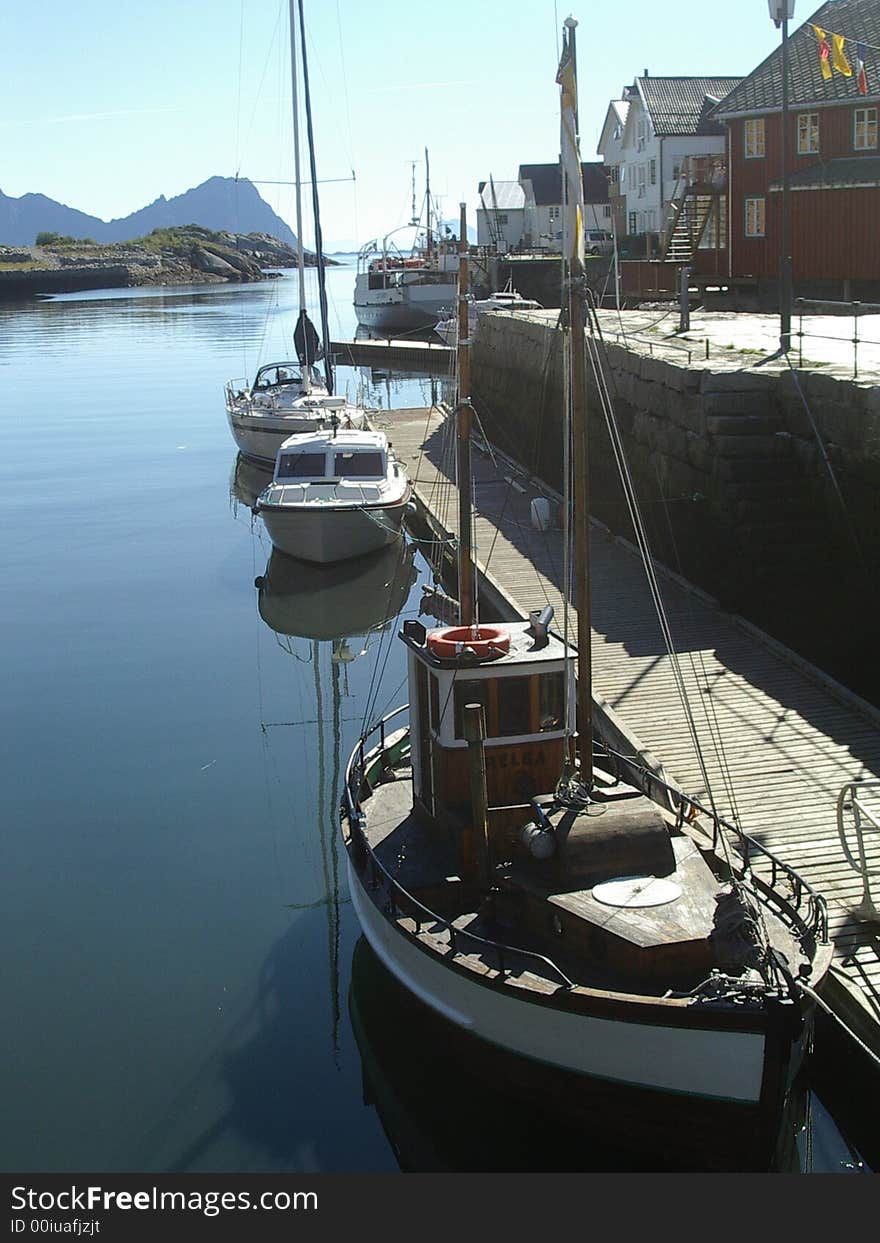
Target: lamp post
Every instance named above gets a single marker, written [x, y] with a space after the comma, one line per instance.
[780, 12]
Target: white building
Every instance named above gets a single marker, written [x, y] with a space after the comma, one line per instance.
[665, 120]
[501, 214]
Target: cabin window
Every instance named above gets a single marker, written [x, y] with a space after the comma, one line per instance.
[754, 139]
[513, 707]
[358, 465]
[551, 701]
[865, 129]
[808, 133]
[755, 217]
[470, 692]
[300, 466]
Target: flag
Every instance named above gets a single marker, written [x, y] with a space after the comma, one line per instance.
[860, 68]
[824, 52]
[841, 64]
[570, 159]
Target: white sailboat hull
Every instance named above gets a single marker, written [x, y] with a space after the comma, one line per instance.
[325, 534]
[707, 1063]
[260, 436]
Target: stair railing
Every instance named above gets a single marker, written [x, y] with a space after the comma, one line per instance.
[852, 800]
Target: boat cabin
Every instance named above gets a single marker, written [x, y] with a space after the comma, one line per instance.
[274, 375]
[324, 457]
[523, 675]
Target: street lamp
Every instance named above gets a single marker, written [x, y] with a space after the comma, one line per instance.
[780, 12]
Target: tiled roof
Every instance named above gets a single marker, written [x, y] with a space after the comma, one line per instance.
[547, 183]
[857, 20]
[509, 195]
[845, 172]
[675, 105]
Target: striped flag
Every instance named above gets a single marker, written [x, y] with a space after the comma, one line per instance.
[860, 68]
[570, 159]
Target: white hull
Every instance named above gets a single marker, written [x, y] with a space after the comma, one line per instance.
[260, 436]
[325, 534]
[705, 1063]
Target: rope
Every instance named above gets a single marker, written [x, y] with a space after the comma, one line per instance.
[824, 1006]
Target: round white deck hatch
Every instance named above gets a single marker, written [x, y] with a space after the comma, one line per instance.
[637, 891]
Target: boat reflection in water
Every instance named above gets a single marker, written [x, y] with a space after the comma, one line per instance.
[336, 602]
[446, 1101]
[247, 482]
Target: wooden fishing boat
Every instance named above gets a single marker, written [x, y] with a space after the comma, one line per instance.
[545, 894]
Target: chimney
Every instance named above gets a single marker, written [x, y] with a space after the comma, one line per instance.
[647, 75]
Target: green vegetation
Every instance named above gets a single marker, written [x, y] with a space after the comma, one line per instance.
[179, 239]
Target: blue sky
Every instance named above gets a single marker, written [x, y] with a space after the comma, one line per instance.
[105, 105]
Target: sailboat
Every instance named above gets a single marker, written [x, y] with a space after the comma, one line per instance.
[538, 891]
[286, 398]
[337, 492]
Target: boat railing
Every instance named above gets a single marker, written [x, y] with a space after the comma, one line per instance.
[852, 801]
[805, 910]
[398, 901]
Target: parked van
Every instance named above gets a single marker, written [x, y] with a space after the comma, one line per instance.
[598, 242]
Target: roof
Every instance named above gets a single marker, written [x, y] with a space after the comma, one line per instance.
[857, 20]
[508, 196]
[547, 182]
[847, 172]
[676, 105]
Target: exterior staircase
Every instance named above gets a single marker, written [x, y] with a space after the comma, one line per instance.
[697, 195]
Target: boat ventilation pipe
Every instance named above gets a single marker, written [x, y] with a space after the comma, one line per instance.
[539, 624]
[538, 835]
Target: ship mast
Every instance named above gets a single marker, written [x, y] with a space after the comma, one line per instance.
[464, 419]
[300, 256]
[575, 307]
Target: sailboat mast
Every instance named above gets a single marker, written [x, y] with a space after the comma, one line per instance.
[464, 418]
[319, 241]
[576, 306]
[294, 91]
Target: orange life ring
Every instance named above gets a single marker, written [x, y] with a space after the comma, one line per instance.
[449, 642]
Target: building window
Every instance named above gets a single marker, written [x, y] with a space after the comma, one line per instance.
[808, 133]
[606, 211]
[652, 166]
[641, 133]
[553, 213]
[754, 147]
[865, 129]
[755, 217]
[613, 175]
[641, 182]
[500, 217]
[651, 220]
[632, 222]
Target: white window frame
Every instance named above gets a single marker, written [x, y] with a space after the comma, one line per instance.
[864, 128]
[754, 138]
[652, 172]
[755, 213]
[808, 133]
[641, 181]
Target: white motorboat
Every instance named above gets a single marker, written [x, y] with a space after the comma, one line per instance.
[335, 495]
[545, 893]
[506, 299]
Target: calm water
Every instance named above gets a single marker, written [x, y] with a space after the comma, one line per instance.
[175, 915]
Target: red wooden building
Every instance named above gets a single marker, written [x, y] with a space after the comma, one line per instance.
[833, 161]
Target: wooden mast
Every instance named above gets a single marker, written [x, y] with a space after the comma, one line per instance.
[464, 418]
[576, 303]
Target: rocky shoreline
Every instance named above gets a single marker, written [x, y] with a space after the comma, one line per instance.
[180, 256]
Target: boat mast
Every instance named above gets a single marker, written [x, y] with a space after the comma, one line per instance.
[300, 254]
[319, 241]
[575, 305]
[464, 418]
[428, 200]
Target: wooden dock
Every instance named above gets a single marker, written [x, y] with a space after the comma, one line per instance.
[425, 356]
[778, 738]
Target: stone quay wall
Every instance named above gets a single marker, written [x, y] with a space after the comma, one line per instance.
[761, 487]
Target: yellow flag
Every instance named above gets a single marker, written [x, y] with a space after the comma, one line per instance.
[824, 52]
[841, 64]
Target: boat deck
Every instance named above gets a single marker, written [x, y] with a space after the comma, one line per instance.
[779, 738]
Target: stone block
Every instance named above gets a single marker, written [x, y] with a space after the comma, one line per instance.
[747, 446]
[743, 402]
[740, 425]
[739, 381]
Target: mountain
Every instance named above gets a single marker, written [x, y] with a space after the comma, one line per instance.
[220, 203]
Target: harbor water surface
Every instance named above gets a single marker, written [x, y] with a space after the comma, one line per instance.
[183, 988]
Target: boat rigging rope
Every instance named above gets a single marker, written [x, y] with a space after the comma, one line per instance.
[811, 993]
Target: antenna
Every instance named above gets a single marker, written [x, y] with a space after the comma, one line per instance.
[414, 218]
